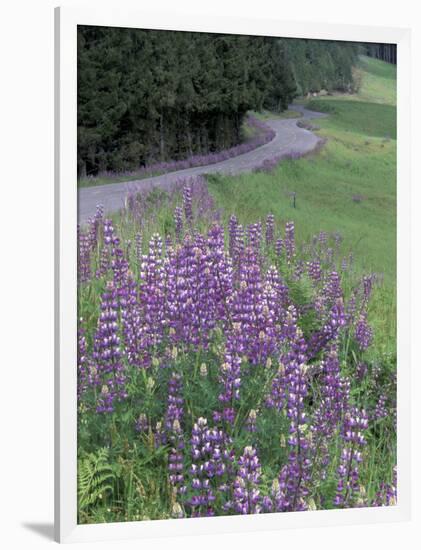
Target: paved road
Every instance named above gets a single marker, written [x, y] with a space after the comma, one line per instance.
[289, 139]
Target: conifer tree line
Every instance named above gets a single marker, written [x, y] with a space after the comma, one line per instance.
[385, 52]
[146, 96]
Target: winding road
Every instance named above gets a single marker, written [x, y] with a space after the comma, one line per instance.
[289, 139]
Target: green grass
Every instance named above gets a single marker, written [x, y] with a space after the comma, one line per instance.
[349, 186]
[267, 115]
[378, 81]
[358, 117]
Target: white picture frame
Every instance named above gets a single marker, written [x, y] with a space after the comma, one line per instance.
[66, 21]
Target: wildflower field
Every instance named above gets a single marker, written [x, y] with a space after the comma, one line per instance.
[237, 335]
[224, 369]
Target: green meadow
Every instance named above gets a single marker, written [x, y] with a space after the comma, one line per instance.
[349, 186]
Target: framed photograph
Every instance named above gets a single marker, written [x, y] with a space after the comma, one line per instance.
[232, 274]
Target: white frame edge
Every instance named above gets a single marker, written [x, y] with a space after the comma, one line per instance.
[66, 21]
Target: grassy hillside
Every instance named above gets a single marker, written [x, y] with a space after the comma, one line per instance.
[348, 187]
[378, 81]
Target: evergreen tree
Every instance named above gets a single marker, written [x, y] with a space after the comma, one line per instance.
[147, 96]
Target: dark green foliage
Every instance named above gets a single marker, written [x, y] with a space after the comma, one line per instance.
[321, 64]
[150, 96]
[385, 52]
[147, 96]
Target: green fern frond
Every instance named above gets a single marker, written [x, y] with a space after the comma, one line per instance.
[95, 478]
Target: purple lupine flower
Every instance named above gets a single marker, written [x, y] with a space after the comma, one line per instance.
[289, 391]
[277, 397]
[387, 495]
[82, 364]
[275, 294]
[351, 308]
[94, 226]
[107, 354]
[368, 282]
[270, 223]
[253, 321]
[160, 435]
[336, 319]
[294, 476]
[168, 245]
[254, 237]
[314, 271]
[337, 238]
[219, 274]
[178, 222]
[322, 238]
[191, 300]
[203, 200]
[232, 233]
[230, 378]
[175, 401]
[330, 331]
[363, 333]
[279, 246]
[333, 289]
[119, 266]
[334, 396]
[138, 248]
[246, 495]
[298, 270]
[110, 238]
[84, 257]
[289, 241]
[99, 214]
[380, 410]
[142, 425]
[251, 421]
[239, 247]
[211, 467]
[151, 296]
[176, 459]
[104, 262]
[132, 323]
[187, 204]
[348, 488]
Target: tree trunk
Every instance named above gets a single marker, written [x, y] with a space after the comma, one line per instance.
[161, 137]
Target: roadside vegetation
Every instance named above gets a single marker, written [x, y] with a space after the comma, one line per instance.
[348, 187]
[237, 335]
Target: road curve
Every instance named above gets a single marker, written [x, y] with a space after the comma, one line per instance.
[289, 139]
